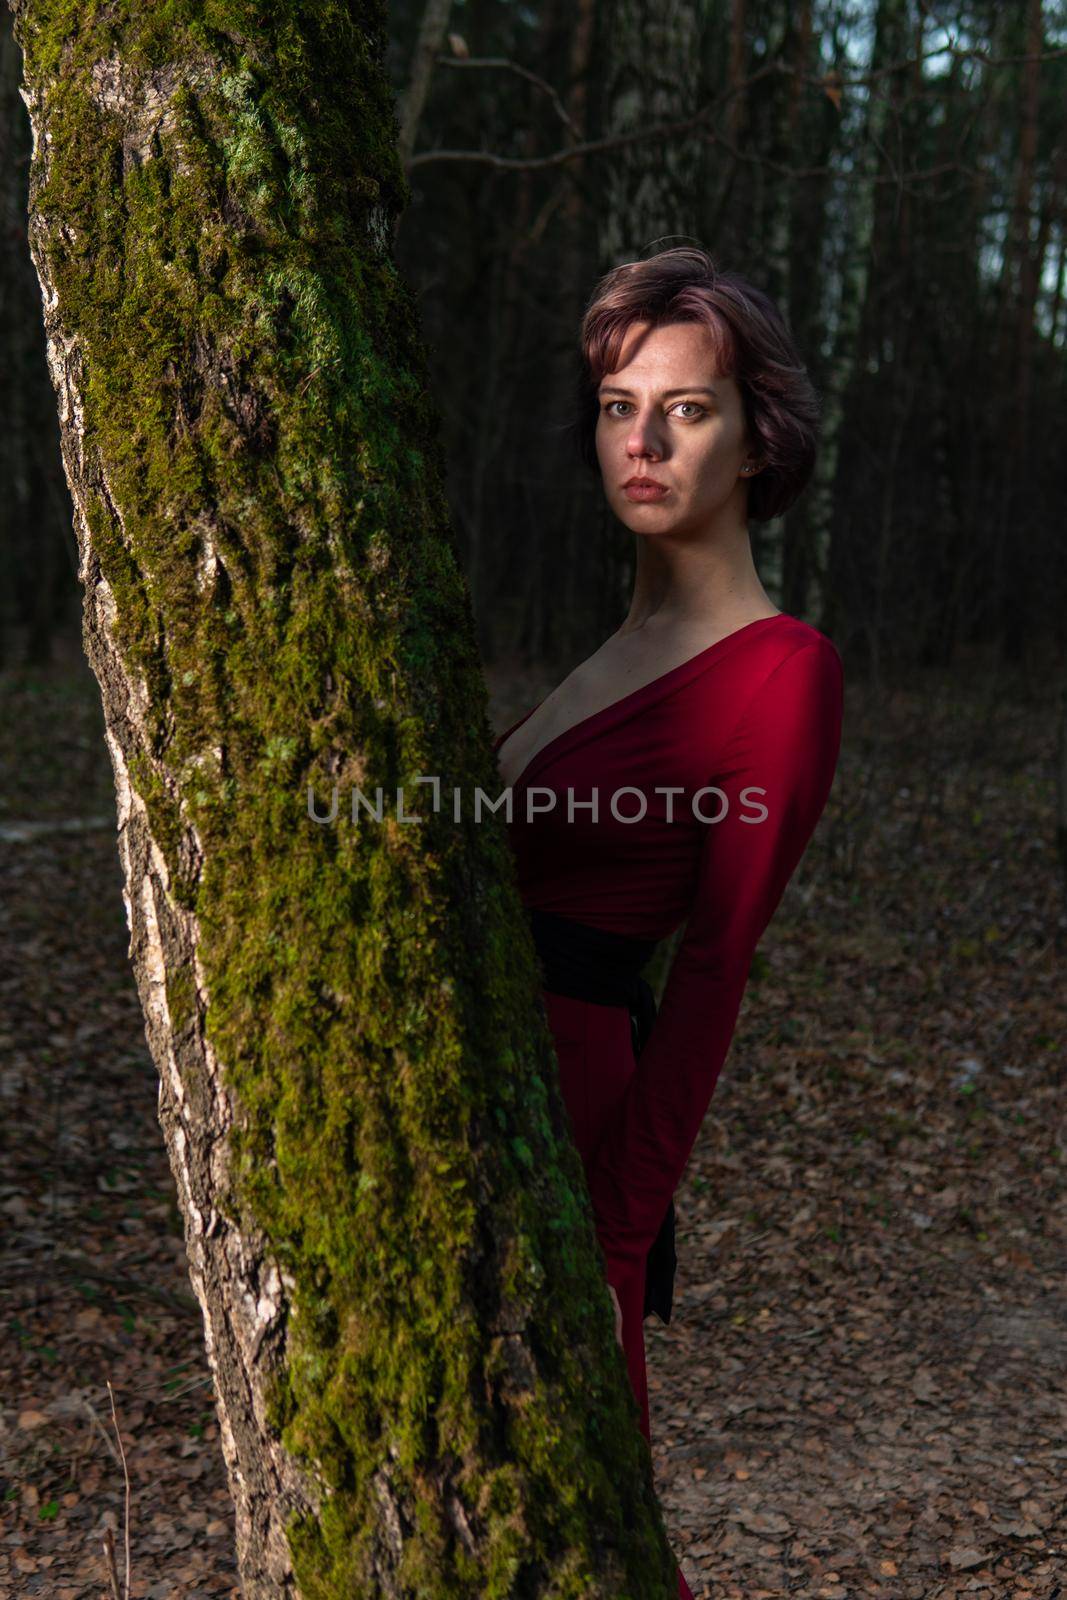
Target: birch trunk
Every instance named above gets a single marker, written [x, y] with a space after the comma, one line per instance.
[418, 1387]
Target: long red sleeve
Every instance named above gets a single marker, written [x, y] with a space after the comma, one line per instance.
[785, 743]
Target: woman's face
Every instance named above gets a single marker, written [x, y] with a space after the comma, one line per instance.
[666, 414]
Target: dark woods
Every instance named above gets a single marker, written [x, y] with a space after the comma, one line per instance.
[896, 182]
[897, 185]
[873, 1215]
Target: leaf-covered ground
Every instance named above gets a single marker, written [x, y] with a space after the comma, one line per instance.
[862, 1391]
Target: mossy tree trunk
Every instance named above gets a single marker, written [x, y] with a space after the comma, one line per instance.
[388, 1230]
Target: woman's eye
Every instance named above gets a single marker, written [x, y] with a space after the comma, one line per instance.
[694, 408]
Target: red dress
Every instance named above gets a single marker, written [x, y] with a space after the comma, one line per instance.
[753, 722]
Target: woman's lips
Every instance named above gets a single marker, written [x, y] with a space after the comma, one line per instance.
[645, 491]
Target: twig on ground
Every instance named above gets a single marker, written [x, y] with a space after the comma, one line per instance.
[109, 1561]
[95, 1420]
[126, 1479]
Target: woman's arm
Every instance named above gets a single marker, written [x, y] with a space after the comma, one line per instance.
[786, 743]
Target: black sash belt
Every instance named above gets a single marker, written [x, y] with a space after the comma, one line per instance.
[604, 968]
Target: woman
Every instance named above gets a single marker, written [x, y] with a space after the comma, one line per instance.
[677, 774]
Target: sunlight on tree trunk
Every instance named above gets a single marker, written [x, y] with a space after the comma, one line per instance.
[418, 1385]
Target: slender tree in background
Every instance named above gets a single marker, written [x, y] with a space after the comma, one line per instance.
[37, 553]
[431, 37]
[807, 581]
[583, 523]
[1019, 279]
[651, 65]
[418, 1388]
[651, 61]
[782, 264]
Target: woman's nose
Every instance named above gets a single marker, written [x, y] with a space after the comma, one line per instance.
[643, 438]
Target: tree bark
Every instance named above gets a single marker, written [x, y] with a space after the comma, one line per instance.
[418, 1386]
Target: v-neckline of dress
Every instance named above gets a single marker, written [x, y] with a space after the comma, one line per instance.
[628, 702]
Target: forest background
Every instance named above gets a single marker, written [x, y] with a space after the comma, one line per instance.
[893, 173]
[883, 1179]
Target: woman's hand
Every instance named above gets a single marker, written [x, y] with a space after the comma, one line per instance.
[618, 1313]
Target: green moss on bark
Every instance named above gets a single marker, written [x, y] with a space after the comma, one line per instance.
[266, 508]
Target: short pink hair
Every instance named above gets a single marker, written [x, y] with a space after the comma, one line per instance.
[752, 343]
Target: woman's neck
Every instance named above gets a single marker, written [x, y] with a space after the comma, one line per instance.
[714, 586]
